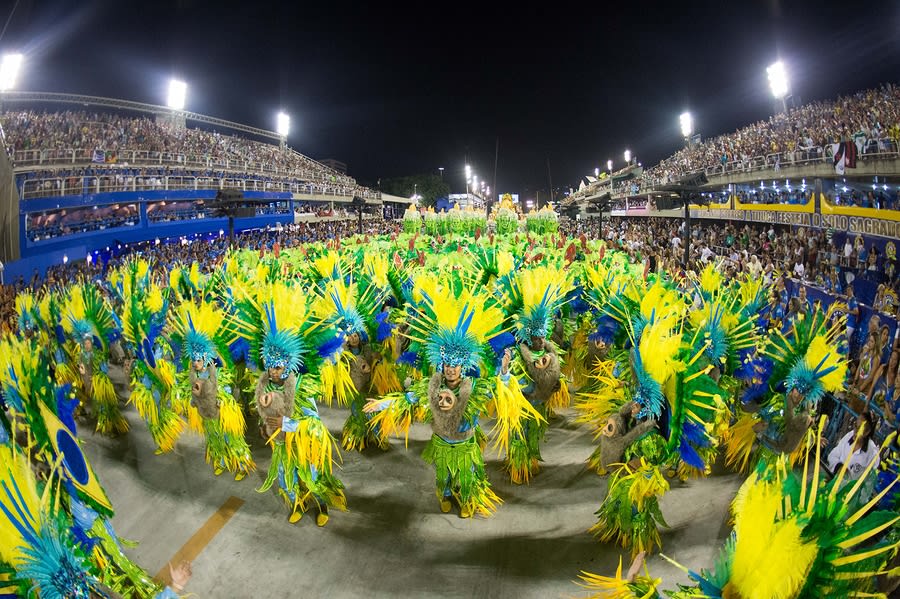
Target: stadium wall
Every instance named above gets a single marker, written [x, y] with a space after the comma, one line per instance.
[39, 255]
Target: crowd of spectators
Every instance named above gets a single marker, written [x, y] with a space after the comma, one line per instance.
[138, 153]
[876, 198]
[70, 130]
[870, 118]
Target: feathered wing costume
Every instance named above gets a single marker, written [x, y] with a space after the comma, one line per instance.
[91, 326]
[144, 309]
[532, 298]
[672, 389]
[783, 385]
[199, 331]
[801, 537]
[291, 347]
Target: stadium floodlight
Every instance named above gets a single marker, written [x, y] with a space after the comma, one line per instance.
[687, 124]
[627, 156]
[468, 172]
[597, 171]
[9, 70]
[778, 80]
[609, 165]
[177, 94]
[282, 124]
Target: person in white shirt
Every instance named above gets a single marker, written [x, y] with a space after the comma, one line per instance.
[857, 450]
[799, 269]
[755, 266]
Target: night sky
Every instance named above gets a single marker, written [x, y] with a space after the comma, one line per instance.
[396, 89]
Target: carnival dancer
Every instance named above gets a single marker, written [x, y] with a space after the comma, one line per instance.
[144, 309]
[783, 387]
[456, 331]
[532, 296]
[201, 333]
[291, 346]
[90, 325]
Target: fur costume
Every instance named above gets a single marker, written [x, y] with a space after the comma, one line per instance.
[203, 389]
[617, 437]
[453, 448]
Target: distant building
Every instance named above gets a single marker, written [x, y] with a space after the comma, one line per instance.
[337, 165]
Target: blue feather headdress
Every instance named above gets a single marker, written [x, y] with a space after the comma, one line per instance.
[27, 321]
[198, 346]
[808, 380]
[81, 330]
[715, 337]
[647, 392]
[454, 347]
[280, 348]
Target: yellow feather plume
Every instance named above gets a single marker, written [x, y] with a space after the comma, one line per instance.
[771, 561]
[195, 275]
[512, 411]
[291, 311]
[661, 303]
[711, 279]
[15, 472]
[659, 348]
[616, 587]
[326, 264]
[24, 302]
[175, 277]
[74, 307]
[155, 299]
[536, 282]
[376, 266]
[505, 263]
[206, 318]
[820, 351]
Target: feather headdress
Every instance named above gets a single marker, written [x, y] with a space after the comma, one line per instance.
[453, 330]
[533, 296]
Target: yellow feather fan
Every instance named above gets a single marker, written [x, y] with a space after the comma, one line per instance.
[659, 348]
[766, 543]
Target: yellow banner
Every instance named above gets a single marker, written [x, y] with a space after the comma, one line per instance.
[856, 211]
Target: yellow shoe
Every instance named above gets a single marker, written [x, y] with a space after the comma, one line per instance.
[445, 505]
[217, 470]
[466, 511]
[240, 476]
[295, 516]
[322, 519]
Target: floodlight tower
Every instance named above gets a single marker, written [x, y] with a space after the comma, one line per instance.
[9, 71]
[176, 100]
[687, 128]
[778, 83]
[283, 127]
